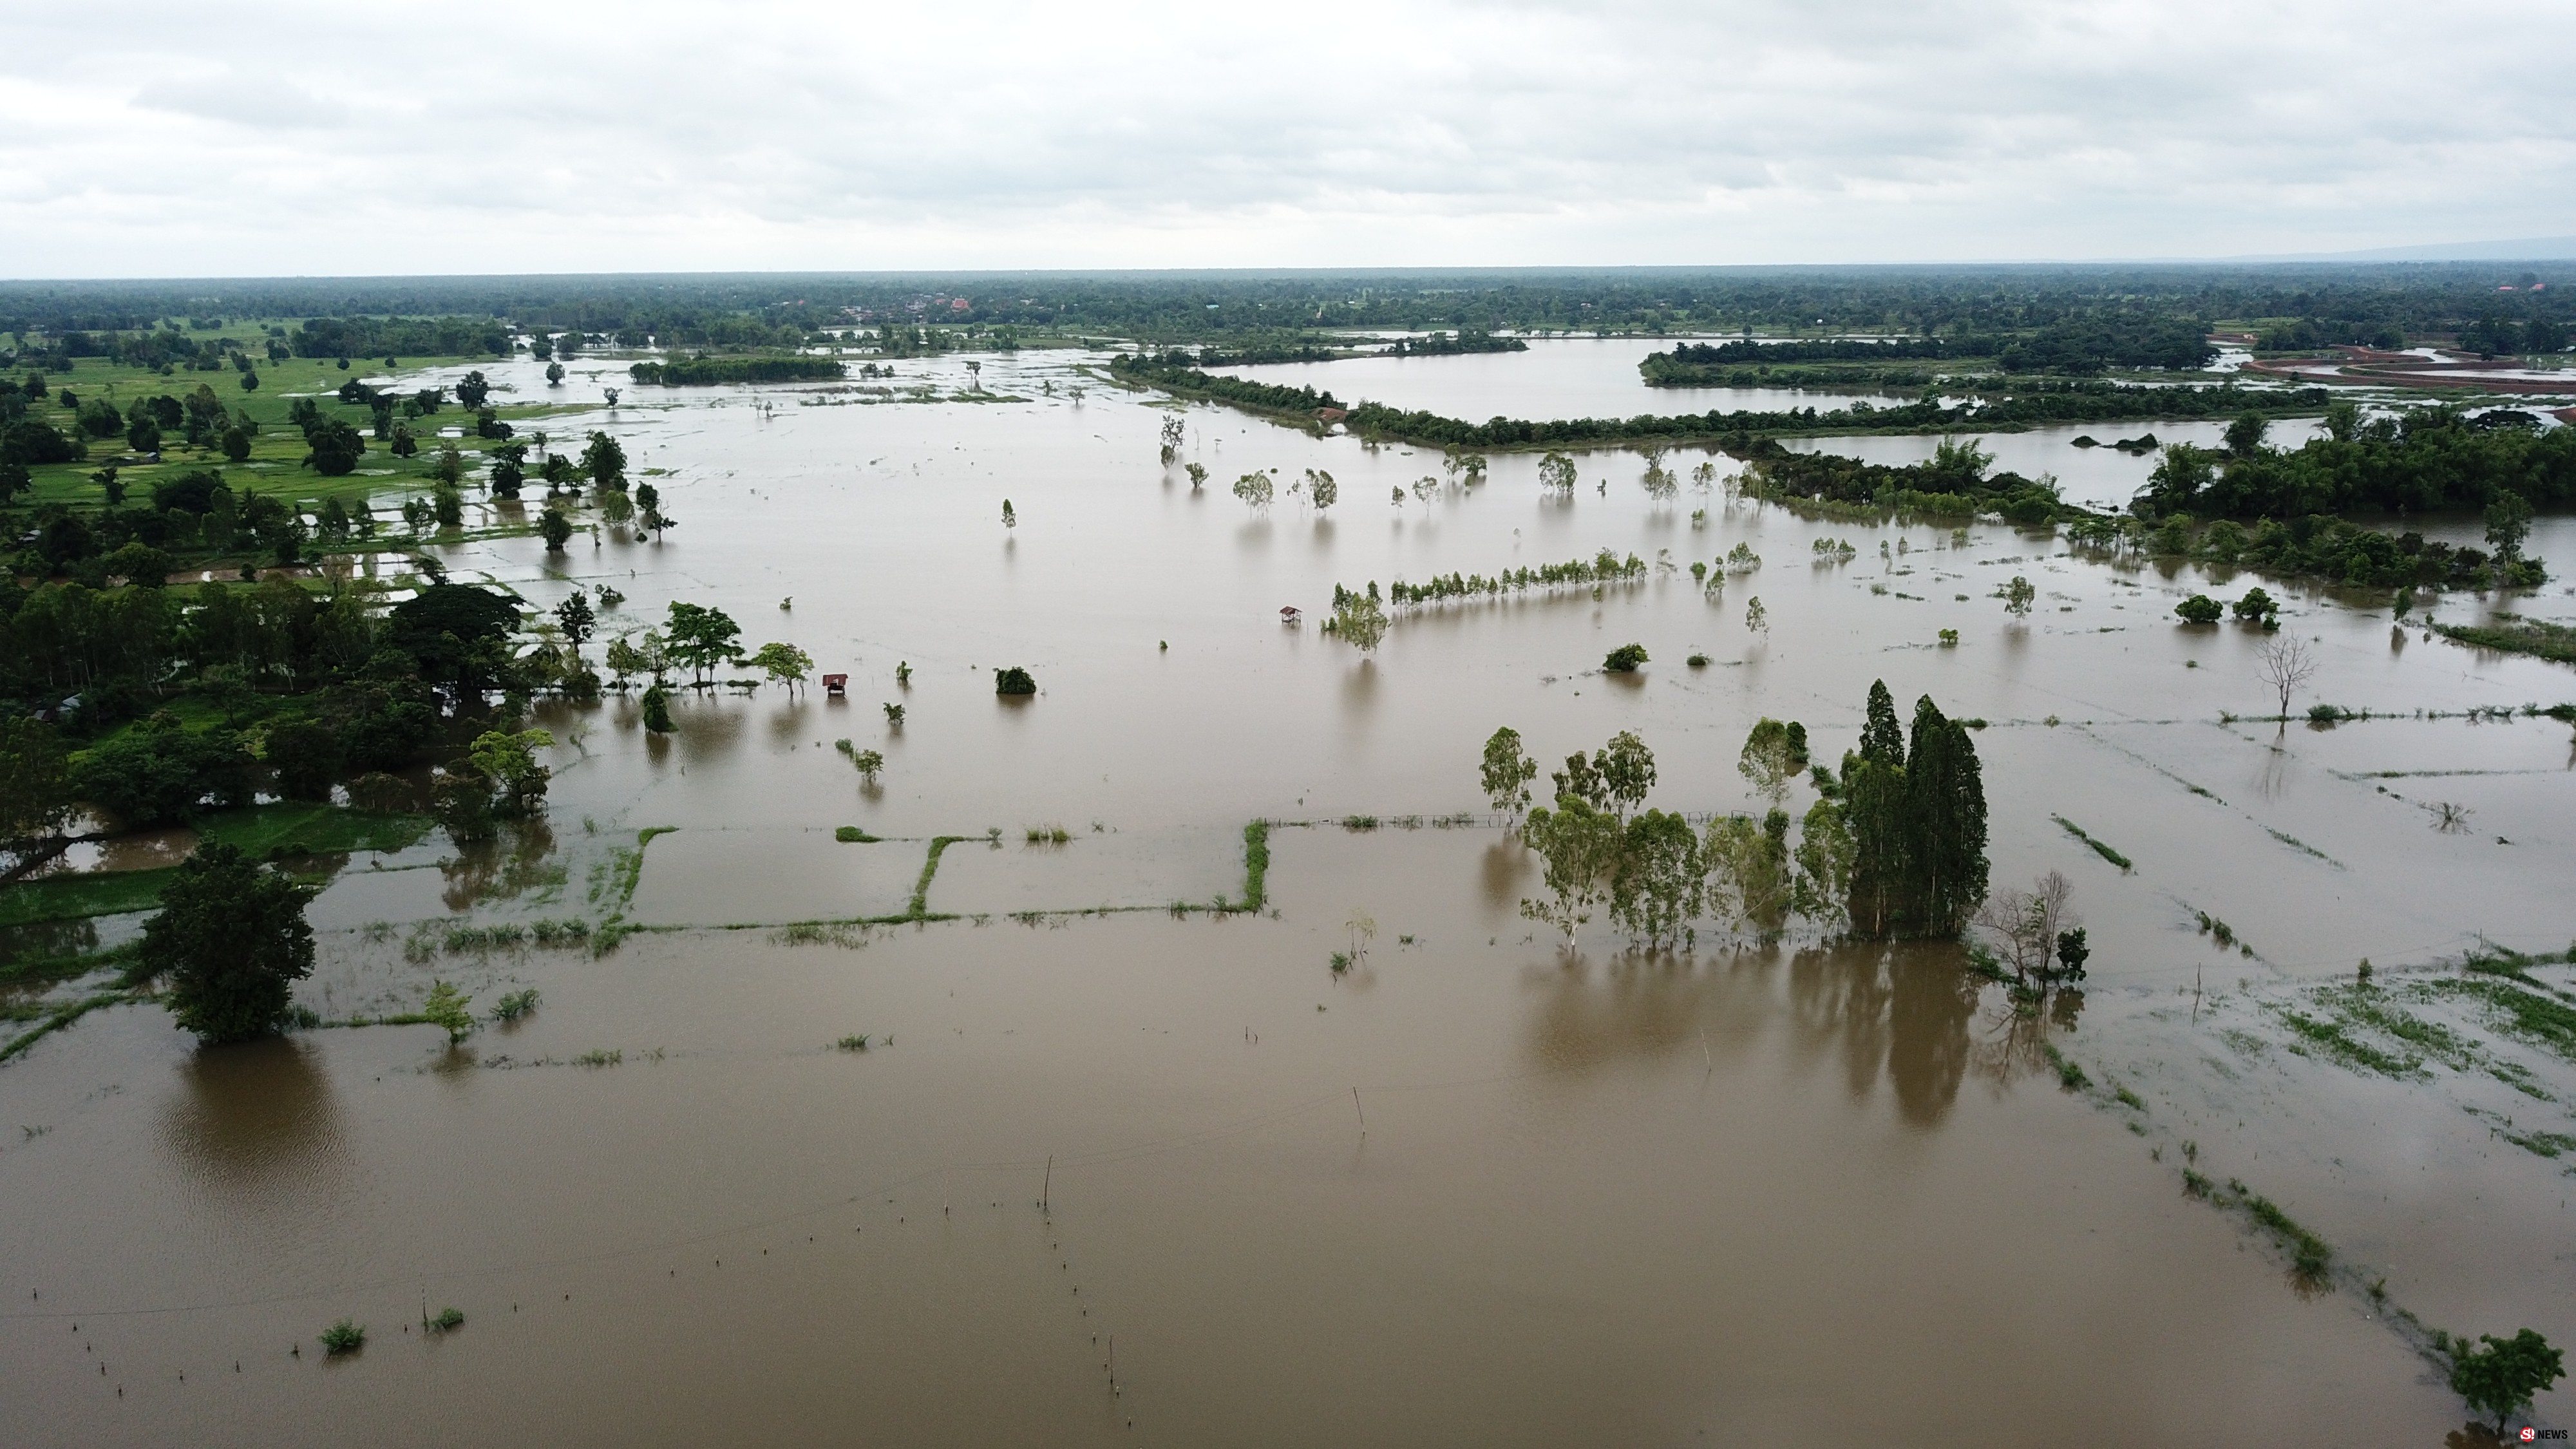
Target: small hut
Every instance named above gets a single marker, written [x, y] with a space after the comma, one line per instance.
[1289, 616]
[836, 684]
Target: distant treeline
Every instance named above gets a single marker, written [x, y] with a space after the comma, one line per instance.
[1173, 373]
[698, 371]
[2076, 346]
[400, 336]
[2053, 306]
[1454, 344]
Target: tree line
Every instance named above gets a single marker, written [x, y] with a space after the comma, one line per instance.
[1894, 844]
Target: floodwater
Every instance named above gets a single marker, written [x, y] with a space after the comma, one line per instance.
[1476, 1190]
[1559, 377]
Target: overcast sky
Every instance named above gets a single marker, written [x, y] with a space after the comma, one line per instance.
[253, 138]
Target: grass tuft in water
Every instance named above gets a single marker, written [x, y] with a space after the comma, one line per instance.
[343, 1337]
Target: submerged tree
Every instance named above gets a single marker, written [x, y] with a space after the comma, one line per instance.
[2286, 666]
[1508, 772]
[1659, 885]
[2506, 1374]
[1917, 819]
[702, 638]
[783, 663]
[1581, 847]
[230, 940]
[1556, 473]
[1359, 620]
[1773, 758]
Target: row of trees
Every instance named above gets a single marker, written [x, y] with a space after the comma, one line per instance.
[1894, 844]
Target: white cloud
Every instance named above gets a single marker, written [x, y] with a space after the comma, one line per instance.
[463, 137]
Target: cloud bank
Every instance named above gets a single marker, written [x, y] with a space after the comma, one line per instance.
[186, 140]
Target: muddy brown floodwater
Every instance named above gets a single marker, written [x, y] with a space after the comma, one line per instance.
[1145, 1177]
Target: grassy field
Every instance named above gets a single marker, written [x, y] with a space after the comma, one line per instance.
[277, 453]
[297, 830]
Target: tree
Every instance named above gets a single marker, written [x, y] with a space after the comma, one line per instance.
[509, 761]
[702, 638]
[1750, 864]
[509, 469]
[2257, 607]
[870, 764]
[35, 781]
[2071, 954]
[1359, 621]
[2200, 609]
[1508, 772]
[1014, 681]
[554, 374]
[1774, 754]
[1626, 770]
[1581, 846]
[1556, 472]
[2506, 1374]
[446, 1008]
[2286, 665]
[2026, 924]
[1822, 889]
[657, 710]
[306, 755]
[460, 798]
[444, 627]
[1945, 806]
[1254, 489]
[2245, 435]
[143, 434]
[604, 459]
[335, 448]
[161, 774]
[1321, 490]
[2508, 525]
[1624, 659]
[556, 529]
[574, 617]
[2018, 596]
[783, 663]
[625, 661]
[472, 389]
[230, 940]
[648, 500]
[1660, 883]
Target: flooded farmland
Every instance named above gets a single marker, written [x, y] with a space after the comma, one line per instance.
[1111, 1167]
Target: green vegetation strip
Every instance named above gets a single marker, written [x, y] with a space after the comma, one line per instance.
[2099, 848]
[929, 868]
[1256, 865]
[2555, 642]
[64, 1016]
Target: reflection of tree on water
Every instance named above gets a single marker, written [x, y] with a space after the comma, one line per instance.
[2017, 1033]
[1501, 870]
[503, 868]
[1903, 1009]
[257, 1121]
